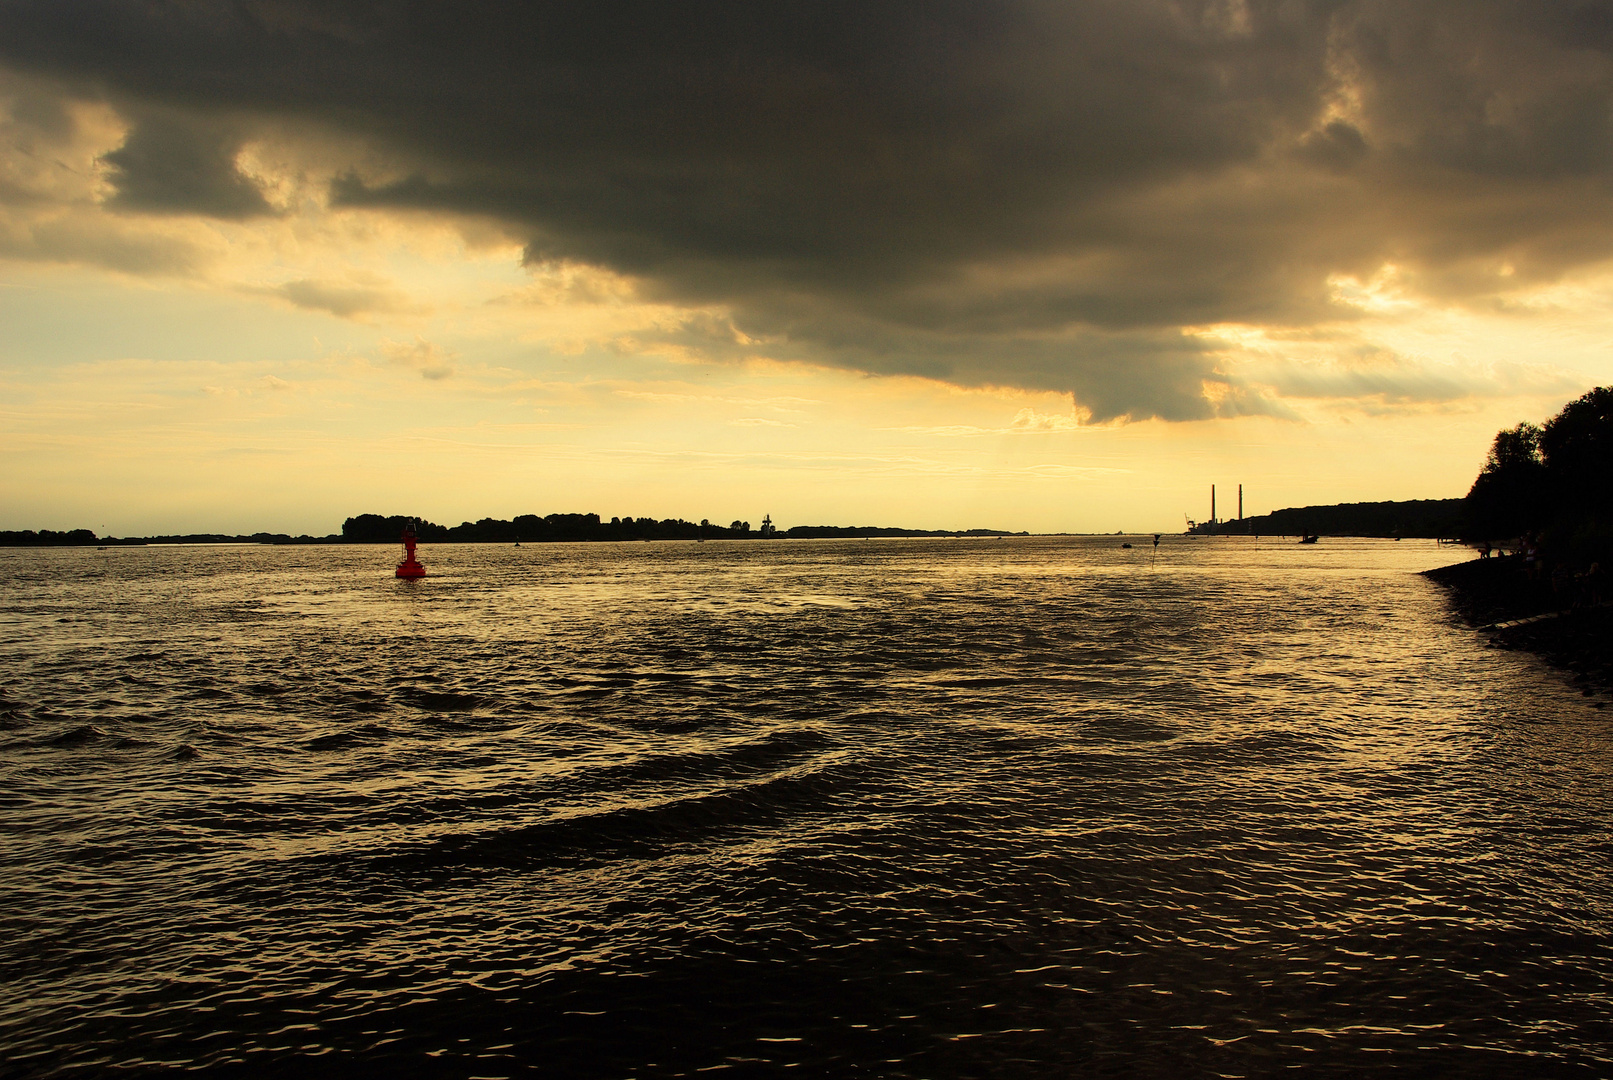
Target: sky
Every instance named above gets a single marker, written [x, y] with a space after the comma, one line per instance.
[267, 264]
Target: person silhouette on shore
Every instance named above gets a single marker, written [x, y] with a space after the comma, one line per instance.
[1592, 583]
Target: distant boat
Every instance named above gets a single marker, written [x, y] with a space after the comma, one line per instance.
[1125, 545]
[1308, 539]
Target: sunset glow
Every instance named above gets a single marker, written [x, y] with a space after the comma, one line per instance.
[892, 274]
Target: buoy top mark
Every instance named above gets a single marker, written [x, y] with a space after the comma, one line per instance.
[410, 566]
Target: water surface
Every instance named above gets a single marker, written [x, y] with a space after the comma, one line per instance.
[1021, 807]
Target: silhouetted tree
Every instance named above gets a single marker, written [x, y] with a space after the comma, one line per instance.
[1557, 478]
[1576, 446]
[375, 529]
[1509, 496]
[46, 538]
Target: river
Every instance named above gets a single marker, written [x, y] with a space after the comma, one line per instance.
[1016, 807]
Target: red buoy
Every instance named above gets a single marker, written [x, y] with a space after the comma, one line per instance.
[410, 566]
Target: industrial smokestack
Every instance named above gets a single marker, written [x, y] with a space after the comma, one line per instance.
[1212, 505]
[1240, 502]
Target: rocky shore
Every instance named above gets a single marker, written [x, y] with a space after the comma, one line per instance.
[1517, 610]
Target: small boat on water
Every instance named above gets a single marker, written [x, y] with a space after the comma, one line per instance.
[1309, 539]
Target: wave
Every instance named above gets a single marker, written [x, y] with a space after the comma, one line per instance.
[636, 832]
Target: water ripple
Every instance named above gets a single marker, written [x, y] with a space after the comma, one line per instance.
[907, 808]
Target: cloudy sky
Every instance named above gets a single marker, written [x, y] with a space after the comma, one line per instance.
[1047, 266]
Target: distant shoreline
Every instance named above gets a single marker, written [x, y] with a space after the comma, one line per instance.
[1426, 519]
[810, 532]
[1415, 518]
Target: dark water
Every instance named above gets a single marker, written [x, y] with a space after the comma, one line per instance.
[923, 808]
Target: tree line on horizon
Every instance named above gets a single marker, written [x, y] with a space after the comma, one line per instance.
[530, 528]
[388, 528]
[1408, 518]
[1552, 480]
[526, 528]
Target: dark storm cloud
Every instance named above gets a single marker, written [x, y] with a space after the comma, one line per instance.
[171, 167]
[1029, 194]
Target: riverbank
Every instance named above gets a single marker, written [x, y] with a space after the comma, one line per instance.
[1517, 611]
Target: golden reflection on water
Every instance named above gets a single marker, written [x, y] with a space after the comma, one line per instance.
[919, 807]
